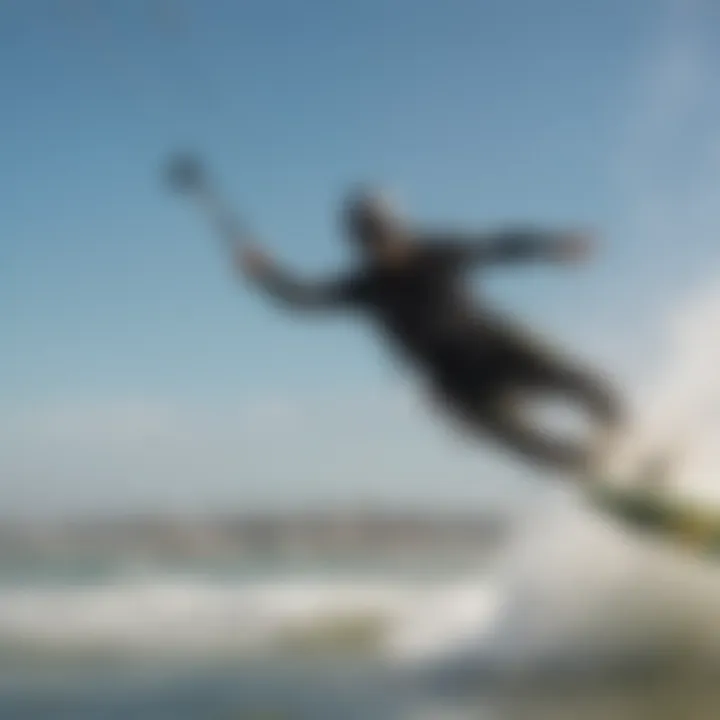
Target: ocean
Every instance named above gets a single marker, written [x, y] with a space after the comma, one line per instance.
[573, 618]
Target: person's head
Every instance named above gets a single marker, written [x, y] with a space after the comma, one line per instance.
[371, 221]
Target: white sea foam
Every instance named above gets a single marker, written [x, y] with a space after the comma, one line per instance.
[174, 615]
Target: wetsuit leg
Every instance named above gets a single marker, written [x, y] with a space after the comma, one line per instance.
[503, 420]
[578, 385]
[491, 403]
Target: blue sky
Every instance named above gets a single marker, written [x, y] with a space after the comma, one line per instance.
[136, 365]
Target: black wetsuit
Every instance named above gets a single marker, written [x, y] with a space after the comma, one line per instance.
[477, 363]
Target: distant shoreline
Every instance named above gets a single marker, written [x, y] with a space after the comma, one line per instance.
[329, 533]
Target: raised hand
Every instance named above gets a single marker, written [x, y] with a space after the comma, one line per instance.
[575, 247]
[186, 174]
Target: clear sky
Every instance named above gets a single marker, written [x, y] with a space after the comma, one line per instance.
[134, 371]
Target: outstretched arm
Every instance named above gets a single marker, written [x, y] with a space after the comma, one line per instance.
[520, 245]
[187, 175]
[284, 287]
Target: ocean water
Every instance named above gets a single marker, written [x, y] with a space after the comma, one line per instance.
[575, 618]
[330, 693]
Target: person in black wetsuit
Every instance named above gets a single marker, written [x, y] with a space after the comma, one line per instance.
[478, 365]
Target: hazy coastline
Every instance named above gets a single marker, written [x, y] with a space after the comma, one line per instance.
[330, 534]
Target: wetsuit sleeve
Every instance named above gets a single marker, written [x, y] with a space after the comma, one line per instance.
[296, 293]
[519, 245]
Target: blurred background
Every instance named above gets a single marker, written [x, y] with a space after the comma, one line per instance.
[211, 509]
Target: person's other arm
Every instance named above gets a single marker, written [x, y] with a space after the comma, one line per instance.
[514, 245]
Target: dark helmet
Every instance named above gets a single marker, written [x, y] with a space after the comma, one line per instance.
[368, 212]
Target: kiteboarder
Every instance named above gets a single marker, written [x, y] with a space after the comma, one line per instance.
[479, 366]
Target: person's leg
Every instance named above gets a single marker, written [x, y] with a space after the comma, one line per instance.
[586, 388]
[501, 418]
[592, 394]
[485, 389]
[508, 422]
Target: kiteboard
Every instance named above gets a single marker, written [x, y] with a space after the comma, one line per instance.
[649, 507]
